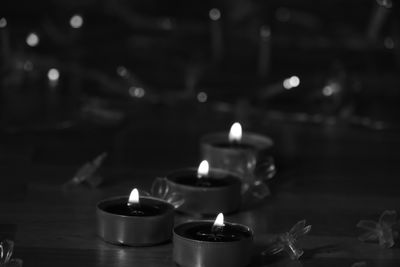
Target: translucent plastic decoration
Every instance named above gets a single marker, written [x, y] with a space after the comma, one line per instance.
[263, 171]
[381, 231]
[6, 251]
[288, 241]
[161, 189]
[87, 173]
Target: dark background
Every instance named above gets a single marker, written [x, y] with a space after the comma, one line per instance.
[166, 49]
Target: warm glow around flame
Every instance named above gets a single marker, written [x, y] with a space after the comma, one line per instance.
[219, 221]
[203, 169]
[235, 134]
[134, 197]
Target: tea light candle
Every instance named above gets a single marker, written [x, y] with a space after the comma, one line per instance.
[135, 221]
[206, 191]
[236, 152]
[208, 243]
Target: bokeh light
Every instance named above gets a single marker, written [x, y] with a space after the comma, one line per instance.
[291, 82]
[32, 39]
[202, 97]
[53, 74]
[215, 14]
[3, 22]
[76, 21]
[137, 92]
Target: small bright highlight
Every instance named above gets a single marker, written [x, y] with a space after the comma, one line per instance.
[32, 39]
[122, 71]
[76, 21]
[202, 97]
[214, 14]
[331, 88]
[53, 74]
[137, 92]
[291, 82]
[265, 32]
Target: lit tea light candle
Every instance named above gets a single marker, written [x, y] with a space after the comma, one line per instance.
[206, 191]
[135, 220]
[236, 152]
[212, 243]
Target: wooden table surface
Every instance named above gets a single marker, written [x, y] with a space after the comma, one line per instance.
[331, 175]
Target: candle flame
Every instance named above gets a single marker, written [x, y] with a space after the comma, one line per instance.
[203, 169]
[134, 197]
[219, 221]
[235, 134]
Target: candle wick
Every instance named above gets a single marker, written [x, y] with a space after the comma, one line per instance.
[135, 208]
[202, 181]
[235, 142]
[217, 229]
[133, 205]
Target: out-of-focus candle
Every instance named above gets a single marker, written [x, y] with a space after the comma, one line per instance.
[236, 152]
[206, 191]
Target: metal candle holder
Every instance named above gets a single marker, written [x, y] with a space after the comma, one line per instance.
[188, 252]
[207, 200]
[243, 160]
[134, 230]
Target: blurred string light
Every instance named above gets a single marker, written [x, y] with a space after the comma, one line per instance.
[388, 43]
[136, 92]
[28, 65]
[32, 39]
[76, 21]
[202, 97]
[291, 82]
[214, 14]
[53, 74]
[331, 88]
[385, 3]
[122, 71]
[265, 32]
[3, 22]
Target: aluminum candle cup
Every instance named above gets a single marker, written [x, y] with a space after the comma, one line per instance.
[195, 245]
[150, 224]
[219, 191]
[240, 157]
